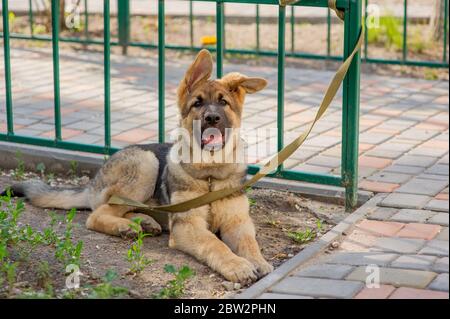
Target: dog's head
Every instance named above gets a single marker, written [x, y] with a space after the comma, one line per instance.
[216, 105]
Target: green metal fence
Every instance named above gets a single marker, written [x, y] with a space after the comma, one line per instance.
[350, 102]
[124, 35]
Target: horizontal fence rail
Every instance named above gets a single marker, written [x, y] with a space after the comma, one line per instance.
[350, 102]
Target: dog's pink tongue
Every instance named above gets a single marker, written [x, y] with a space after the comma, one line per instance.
[212, 139]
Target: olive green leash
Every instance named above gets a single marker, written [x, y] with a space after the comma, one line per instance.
[265, 169]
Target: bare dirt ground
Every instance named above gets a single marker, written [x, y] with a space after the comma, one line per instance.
[309, 38]
[275, 214]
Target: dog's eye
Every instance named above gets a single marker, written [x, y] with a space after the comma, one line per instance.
[223, 102]
[198, 103]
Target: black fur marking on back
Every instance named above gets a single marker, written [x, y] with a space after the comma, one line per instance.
[161, 151]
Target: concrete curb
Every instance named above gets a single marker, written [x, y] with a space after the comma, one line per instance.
[335, 234]
[58, 161]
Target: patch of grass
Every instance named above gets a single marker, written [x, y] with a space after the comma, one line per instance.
[68, 251]
[251, 201]
[388, 33]
[135, 256]
[73, 168]
[175, 288]
[106, 289]
[431, 74]
[19, 172]
[307, 235]
[41, 169]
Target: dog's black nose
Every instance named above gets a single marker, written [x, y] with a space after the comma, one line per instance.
[212, 118]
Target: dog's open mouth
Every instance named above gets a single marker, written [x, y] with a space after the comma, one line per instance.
[212, 142]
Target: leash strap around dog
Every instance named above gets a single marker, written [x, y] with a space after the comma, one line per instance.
[274, 162]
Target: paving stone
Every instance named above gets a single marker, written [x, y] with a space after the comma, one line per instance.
[418, 230]
[389, 177]
[325, 271]
[382, 292]
[416, 160]
[438, 205]
[443, 235]
[435, 247]
[361, 258]
[440, 219]
[380, 228]
[434, 177]
[422, 187]
[419, 262]
[374, 162]
[317, 287]
[399, 200]
[440, 283]
[413, 293]
[403, 169]
[412, 216]
[378, 187]
[396, 277]
[383, 213]
[438, 169]
[398, 245]
[282, 296]
[441, 265]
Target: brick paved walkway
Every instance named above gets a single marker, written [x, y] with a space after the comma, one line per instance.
[404, 251]
[404, 155]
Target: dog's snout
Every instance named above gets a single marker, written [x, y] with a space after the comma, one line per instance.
[212, 118]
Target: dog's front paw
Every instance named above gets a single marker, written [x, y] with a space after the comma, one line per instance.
[151, 226]
[263, 267]
[239, 270]
[126, 231]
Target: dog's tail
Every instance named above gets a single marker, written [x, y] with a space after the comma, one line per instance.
[43, 195]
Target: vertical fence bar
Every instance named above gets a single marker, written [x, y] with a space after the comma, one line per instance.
[161, 72]
[7, 58]
[86, 20]
[444, 58]
[220, 37]
[258, 32]
[123, 17]
[366, 34]
[350, 112]
[292, 29]
[281, 78]
[107, 72]
[328, 32]
[191, 23]
[56, 87]
[30, 16]
[405, 30]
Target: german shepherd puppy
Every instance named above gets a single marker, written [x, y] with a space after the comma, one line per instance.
[221, 234]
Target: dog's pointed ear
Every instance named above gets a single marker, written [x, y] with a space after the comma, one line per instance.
[234, 81]
[200, 70]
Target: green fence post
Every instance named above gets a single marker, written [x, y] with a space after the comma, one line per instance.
[258, 32]
[161, 72]
[281, 78]
[328, 32]
[107, 73]
[350, 112]
[292, 29]
[220, 37]
[445, 30]
[7, 58]
[123, 17]
[30, 16]
[405, 31]
[56, 83]
[86, 20]
[366, 34]
[191, 23]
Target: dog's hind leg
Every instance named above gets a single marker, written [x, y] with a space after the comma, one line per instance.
[109, 219]
[147, 222]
